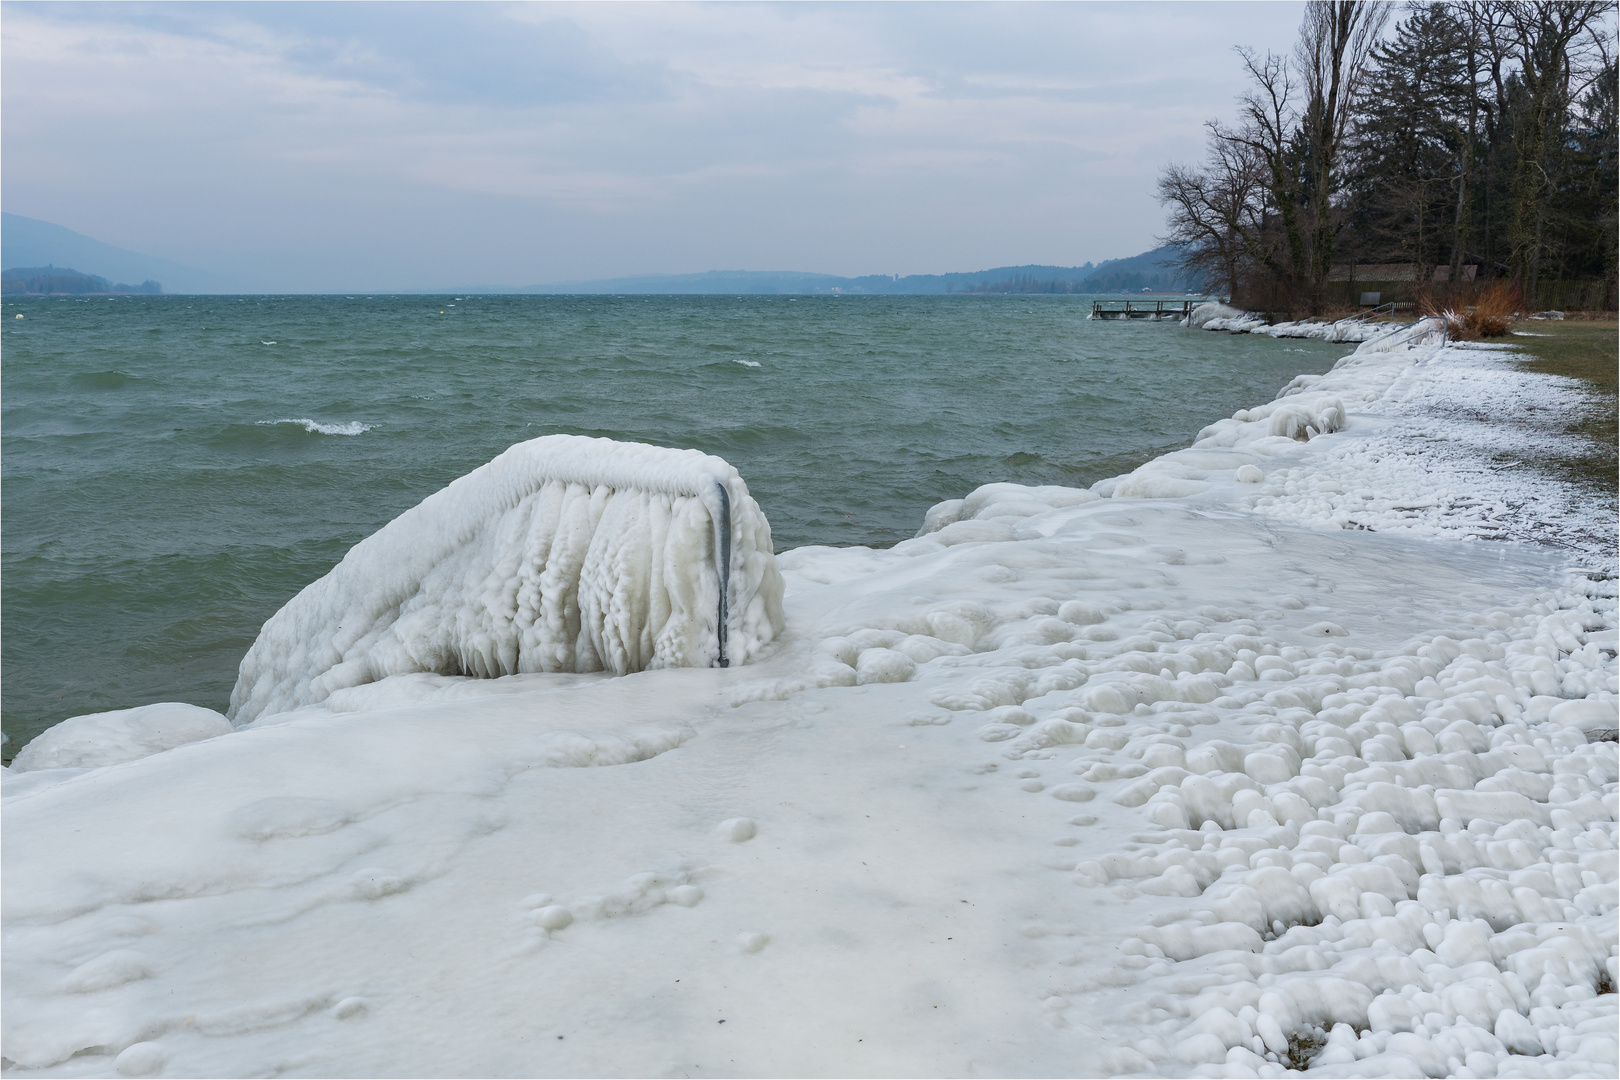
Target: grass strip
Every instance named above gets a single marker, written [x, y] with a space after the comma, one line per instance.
[1588, 351]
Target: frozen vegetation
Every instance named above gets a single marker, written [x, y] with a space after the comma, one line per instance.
[1217, 316]
[1281, 752]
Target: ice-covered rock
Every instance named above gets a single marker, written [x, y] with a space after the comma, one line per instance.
[1207, 312]
[563, 554]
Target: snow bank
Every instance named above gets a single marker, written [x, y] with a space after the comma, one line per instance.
[1266, 772]
[564, 554]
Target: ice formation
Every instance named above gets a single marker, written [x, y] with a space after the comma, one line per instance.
[1257, 761]
[111, 738]
[1217, 316]
[564, 554]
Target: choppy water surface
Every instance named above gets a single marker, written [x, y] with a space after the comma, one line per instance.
[175, 468]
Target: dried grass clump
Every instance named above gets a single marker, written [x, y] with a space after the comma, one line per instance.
[1491, 313]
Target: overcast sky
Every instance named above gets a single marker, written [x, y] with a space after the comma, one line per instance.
[380, 145]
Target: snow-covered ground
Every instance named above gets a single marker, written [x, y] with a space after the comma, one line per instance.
[1270, 753]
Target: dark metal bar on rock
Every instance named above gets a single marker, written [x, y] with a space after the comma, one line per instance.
[724, 558]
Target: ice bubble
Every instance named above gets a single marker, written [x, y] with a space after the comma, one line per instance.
[1271, 1033]
[107, 971]
[141, 1059]
[1587, 714]
[1081, 614]
[737, 829]
[834, 675]
[1011, 714]
[1105, 698]
[350, 1008]
[922, 648]
[1201, 1049]
[884, 666]
[1420, 1050]
[1378, 821]
[873, 638]
[374, 884]
[840, 649]
[1161, 754]
[554, 917]
[1465, 943]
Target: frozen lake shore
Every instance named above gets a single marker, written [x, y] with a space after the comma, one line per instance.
[1275, 752]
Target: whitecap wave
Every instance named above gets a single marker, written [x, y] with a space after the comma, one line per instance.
[353, 427]
[747, 363]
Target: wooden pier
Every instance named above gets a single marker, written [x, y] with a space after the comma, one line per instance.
[1144, 309]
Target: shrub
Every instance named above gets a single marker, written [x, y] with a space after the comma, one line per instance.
[1491, 313]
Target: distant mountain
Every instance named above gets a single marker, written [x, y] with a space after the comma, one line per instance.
[1151, 271]
[788, 282]
[28, 242]
[1154, 271]
[52, 280]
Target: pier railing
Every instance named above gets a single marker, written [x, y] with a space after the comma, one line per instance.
[1382, 311]
[1144, 309]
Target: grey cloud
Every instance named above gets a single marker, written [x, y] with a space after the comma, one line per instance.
[442, 52]
[393, 146]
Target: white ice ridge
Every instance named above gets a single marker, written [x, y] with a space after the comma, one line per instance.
[1217, 316]
[563, 554]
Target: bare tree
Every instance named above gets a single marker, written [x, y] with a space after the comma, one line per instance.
[1335, 42]
[1560, 47]
[1267, 127]
[1216, 213]
[1288, 148]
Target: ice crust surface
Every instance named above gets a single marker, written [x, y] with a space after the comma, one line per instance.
[1283, 752]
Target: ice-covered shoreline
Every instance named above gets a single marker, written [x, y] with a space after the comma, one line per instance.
[1218, 316]
[1171, 777]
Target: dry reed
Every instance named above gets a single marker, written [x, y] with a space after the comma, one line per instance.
[1491, 313]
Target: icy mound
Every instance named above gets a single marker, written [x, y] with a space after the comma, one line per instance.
[1210, 311]
[1426, 331]
[564, 554]
[952, 522]
[112, 738]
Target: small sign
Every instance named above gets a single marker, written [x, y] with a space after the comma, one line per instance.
[1370, 299]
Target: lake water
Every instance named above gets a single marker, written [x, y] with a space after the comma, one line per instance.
[175, 468]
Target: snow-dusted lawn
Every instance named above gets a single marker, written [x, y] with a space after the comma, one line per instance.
[1265, 751]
